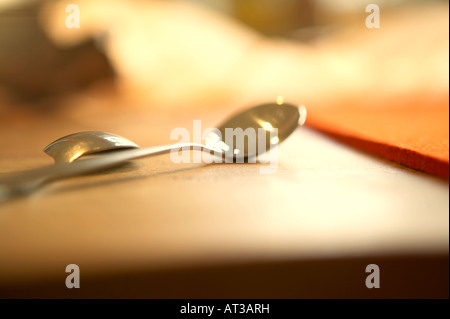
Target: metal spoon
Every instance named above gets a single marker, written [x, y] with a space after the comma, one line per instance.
[283, 116]
[286, 117]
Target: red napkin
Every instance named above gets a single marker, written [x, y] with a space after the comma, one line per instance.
[411, 131]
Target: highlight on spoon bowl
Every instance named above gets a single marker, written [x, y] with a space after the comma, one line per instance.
[71, 147]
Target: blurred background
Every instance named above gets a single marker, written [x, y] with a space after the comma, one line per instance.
[204, 53]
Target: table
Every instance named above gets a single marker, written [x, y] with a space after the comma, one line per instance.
[156, 229]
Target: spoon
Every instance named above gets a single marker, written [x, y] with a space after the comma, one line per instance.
[283, 116]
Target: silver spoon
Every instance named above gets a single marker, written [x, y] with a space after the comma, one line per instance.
[283, 116]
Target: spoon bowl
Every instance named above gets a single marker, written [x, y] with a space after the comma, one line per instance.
[71, 147]
[272, 122]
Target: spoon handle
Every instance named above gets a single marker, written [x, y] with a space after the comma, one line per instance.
[25, 182]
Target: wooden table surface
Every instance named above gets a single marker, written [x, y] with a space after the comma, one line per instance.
[156, 229]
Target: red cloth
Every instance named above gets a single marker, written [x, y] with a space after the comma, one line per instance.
[414, 133]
